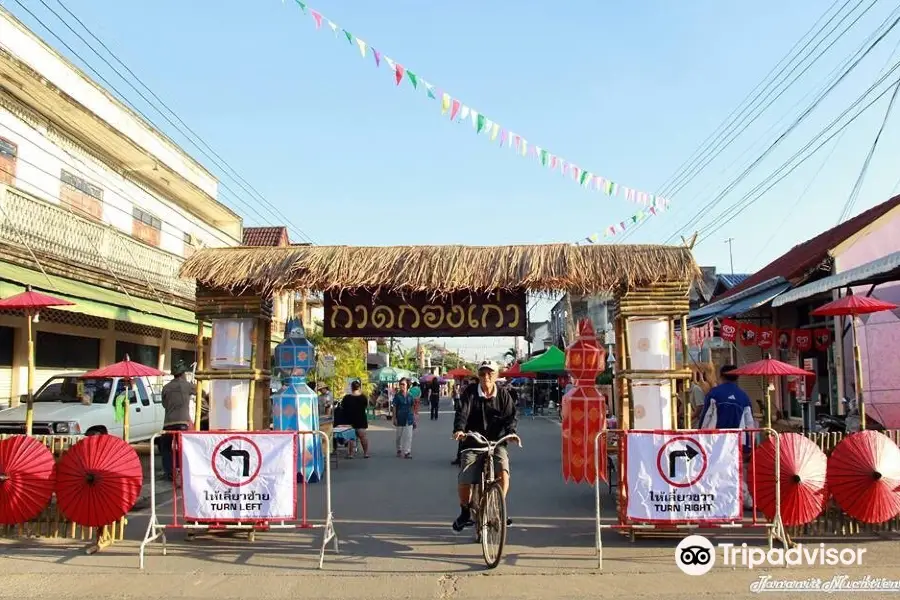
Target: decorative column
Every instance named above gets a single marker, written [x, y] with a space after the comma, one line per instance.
[296, 407]
[583, 407]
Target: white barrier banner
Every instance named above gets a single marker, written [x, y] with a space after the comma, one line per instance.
[239, 476]
[683, 477]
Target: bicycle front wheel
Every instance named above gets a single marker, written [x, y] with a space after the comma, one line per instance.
[493, 525]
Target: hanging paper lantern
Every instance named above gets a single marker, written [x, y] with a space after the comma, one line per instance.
[583, 408]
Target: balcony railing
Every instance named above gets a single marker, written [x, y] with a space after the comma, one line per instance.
[52, 230]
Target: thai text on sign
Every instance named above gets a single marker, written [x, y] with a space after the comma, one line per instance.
[361, 313]
[231, 477]
[676, 477]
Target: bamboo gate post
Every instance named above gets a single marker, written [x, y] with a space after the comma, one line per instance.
[665, 301]
[198, 384]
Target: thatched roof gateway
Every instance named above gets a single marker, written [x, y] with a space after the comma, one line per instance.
[443, 269]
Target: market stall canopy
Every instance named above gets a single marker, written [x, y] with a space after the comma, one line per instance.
[551, 361]
[515, 372]
[587, 269]
[459, 373]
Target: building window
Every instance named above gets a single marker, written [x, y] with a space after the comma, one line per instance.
[146, 355]
[146, 227]
[79, 195]
[188, 245]
[8, 154]
[58, 351]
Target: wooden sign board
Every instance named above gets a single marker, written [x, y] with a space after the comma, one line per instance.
[417, 314]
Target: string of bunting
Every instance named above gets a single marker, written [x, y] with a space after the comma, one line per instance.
[461, 113]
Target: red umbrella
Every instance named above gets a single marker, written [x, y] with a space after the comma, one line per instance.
[803, 468]
[459, 373]
[769, 367]
[98, 480]
[853, 305]
[26, 479]
[126, 369]
[864, 476]
[32, 303]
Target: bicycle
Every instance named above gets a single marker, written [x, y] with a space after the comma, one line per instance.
[488, 504]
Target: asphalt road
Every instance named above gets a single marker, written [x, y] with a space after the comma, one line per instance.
[393, 520]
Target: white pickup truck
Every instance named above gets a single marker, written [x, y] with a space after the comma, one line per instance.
[70, 405]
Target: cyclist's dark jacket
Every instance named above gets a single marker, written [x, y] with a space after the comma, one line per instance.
[491, 417]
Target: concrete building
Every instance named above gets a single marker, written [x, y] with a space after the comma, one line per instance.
[97, 207]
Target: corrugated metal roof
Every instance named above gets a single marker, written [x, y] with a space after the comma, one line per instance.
[740, 303]
[882, 266]
[732, 280]
[801, 259]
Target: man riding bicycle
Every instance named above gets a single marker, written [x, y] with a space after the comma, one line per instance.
[490, 410]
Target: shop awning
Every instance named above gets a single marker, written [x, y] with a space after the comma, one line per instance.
[882, 270]
[551, 361]
[743, 302]
[96, 301]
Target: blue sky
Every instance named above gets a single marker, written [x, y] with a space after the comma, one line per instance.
[626, 90]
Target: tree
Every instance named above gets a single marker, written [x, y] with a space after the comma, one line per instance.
[349, 358]
[511, 355]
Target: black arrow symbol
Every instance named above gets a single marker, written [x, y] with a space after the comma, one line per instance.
[230, 453]
[689, 453]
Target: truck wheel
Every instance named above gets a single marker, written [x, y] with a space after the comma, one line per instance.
[96, 431]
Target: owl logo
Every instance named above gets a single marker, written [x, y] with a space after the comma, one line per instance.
[748, 335]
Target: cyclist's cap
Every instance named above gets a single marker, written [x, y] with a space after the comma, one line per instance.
[488, 364]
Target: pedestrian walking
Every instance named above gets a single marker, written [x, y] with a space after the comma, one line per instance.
[435, 398]
[404, 418]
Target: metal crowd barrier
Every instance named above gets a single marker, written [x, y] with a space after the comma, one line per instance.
[157, 530]
[774, 527]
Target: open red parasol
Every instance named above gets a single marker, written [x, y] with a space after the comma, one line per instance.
[864, 476]
[459, 373]
[27, 477]
[126, 369]
[853, 305]
[769, 367]
[98, 480]
[32, 301]
[803, 469]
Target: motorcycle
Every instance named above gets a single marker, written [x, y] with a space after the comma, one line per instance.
[847, 423]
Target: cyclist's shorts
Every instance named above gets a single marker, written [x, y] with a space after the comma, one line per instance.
[472, 462]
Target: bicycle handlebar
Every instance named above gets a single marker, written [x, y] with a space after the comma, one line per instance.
[480, 438]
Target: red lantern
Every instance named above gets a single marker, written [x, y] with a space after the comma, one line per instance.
[583, 408]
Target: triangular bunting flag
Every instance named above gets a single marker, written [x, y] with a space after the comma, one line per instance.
[454, 110]
[317, 18]
[464, 113]
[398, 73]
[347, 34]
[413, 79]
[429, 89]
[584, 177]
[480, 125]
[495, 130]
[302, 6]
[445, 103]
[474, 118]
[545, 156]
[362, 47]
[333, 26]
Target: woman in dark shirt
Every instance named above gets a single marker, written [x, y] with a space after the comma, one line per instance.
[353, 411]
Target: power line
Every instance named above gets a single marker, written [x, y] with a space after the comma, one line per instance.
[718, 148]
[99, 174]
[243, 183]
[735, 210]
[854, 194]
[124, 98]
[709, 206]
[729, 121]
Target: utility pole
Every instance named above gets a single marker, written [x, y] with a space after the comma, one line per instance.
[730, 256]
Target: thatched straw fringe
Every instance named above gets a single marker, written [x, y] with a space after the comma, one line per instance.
[443, 269]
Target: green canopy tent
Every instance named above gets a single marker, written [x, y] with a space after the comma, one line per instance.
[552, 361]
